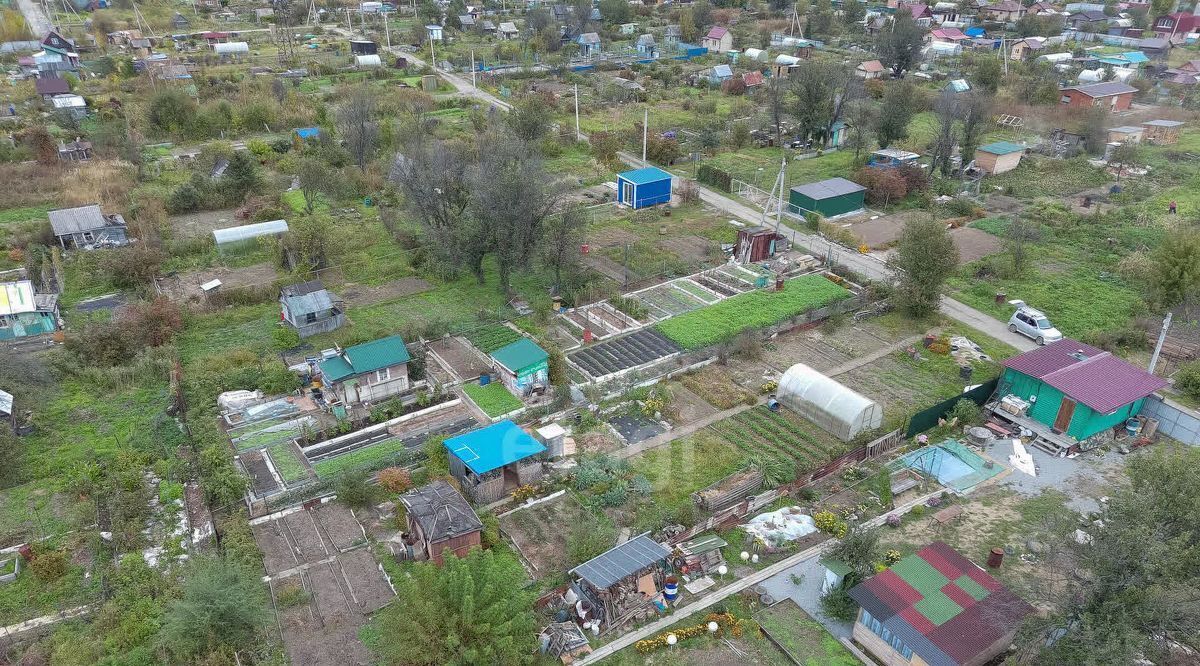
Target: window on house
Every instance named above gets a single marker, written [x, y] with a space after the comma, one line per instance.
[310, 317]
[383, 375]
[1065, 99]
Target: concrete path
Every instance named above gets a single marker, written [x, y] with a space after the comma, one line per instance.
[39, 23]
[753, 579]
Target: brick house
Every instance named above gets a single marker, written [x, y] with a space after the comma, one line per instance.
[1112, 95]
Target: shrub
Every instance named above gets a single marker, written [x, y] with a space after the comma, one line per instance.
[395, 479]
[285, 337]
[490, 535]
[884, 186]
[48, 565]
[291, 596]
[616, 495]
[917, 511]
[966, 411]
[828, 522]
[685, 515]
[1187, 379]
[355, 490]
[714, 177]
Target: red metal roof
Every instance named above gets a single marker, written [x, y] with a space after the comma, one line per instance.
[717, 32]
[752, 78]
[1088, 375]
[944, 607]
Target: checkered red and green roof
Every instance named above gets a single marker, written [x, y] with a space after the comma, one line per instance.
[944, 607]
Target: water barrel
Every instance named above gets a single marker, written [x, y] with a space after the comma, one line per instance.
[671, 590]
[485, 379]
[995, 558]
[1132, 426]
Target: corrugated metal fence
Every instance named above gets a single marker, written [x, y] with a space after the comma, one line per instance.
[924, 420]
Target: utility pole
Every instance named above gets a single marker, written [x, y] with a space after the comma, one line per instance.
[1004, 54]
[645, 134]
[432, 53]
[387, 31]
[350, 21]
[1162, 337]
[577, 135]
[627, 262]
[473, 69]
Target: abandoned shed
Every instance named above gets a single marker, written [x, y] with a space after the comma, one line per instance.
[491, 462]
[757, 244]
[245, 238]
[620, 582]
[642, 188]
[1162, 132]
[841, 411]
[832, 197]
[438, 519]
[86, 227]
[310, 309]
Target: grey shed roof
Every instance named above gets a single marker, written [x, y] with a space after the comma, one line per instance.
[828, 189]
[67, 221]
[606, 569]
[441, 512]
[306, 297]
[1162, 123]
[1104, 89]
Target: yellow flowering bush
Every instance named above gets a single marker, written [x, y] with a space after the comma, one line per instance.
[726, 622]
[828, 522]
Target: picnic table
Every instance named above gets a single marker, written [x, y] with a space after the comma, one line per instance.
[946, 515]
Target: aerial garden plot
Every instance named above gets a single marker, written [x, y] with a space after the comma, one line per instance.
[722, 321]
[611, 356]
[781, 437]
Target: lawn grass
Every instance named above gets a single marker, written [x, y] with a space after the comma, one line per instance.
[25, 214]
[494, 399]
[757, 309]
[686, 465]
[1046, 177]
[375, 456]
[286, 462]
[803, 637]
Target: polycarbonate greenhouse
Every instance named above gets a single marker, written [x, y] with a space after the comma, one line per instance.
[245, 237]
[840, 410]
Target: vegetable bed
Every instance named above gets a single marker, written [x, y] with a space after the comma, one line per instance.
[722, 321]
[375, 456]
[492, 337]
[494, 399]
[779, 437]
[286, 463]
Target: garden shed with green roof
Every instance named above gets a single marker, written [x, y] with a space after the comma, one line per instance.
[936, 607]
[999, 157]
[522, 366]
[830, 198]
[368, 372]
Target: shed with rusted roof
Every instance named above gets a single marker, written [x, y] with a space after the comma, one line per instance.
[438, 519]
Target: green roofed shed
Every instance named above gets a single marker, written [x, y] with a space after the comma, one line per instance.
[999, 157]
[370, 371]
[523, 366]
[835, 196]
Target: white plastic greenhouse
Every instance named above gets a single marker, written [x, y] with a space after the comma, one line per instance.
[244, 237]
[836, 408]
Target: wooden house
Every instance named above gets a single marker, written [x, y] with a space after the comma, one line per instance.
[936, 607]
[1162, 132]
[1113, 95]
[493, 461]
[86, 227]
[623, 581]
[589, 44]
[48, 87]
[718, 40]
[507, 30]
[1023, 49]
[1076, 389]
[309, 309]
[368, 372]
[438, 519]
[1126, 133]
[1008, 11]
[869, 69]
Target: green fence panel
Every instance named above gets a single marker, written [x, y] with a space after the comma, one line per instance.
[928, 418]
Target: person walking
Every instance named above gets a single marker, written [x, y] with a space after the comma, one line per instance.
[1171, 208]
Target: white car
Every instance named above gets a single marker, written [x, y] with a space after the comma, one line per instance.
[1032, 324]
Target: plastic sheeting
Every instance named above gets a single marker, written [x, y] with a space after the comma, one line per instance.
[779, 527]
[822, 400]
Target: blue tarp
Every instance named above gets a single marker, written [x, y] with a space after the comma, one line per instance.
[493, 447]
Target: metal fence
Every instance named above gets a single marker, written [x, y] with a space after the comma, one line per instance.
[928, 418]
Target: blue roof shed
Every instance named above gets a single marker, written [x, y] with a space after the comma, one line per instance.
[488, 449]
[642, 188]
[308, 132]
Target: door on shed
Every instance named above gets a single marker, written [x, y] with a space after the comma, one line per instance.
[1065, 411]
[627, 193]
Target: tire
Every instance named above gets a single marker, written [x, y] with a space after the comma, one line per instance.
[1012, 328]
[1041, 341]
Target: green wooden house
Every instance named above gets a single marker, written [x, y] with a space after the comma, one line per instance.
[1077, 389]
[523, 366]
[835, 196]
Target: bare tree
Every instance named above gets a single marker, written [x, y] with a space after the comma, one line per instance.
[976, 109]
[357, 125]
[946, 138]
[775, 105]
[511, 196]
[861, 117]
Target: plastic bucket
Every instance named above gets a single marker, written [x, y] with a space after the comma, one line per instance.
[485, 379]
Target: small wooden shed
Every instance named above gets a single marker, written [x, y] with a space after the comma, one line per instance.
[756, 244]
[1162, 132]
[491, 462]
[999, 157]
[438, 519]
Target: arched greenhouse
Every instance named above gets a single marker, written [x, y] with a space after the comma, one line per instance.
[822, 400]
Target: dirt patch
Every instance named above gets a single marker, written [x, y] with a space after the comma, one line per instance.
[278, 554]
[369, 589]
[185, 287]
[688, 407]
[203, 223]
[302, 528]
[612, 236]
[714, 385]
[605, 266]
[459, 357]
[690, 249]
[360, 295]
[974, 244]
[260, 475]
[999, 203]
[879, 233]
[540, 533]
[339, 525]
[597, 442]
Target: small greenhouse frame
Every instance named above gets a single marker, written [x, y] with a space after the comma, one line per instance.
[838, 409]
[245, 238]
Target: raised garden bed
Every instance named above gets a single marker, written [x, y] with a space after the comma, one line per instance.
[491, 337]
[494, 399]
[638, 348]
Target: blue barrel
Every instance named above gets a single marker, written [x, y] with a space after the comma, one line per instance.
[485, 379]
[1132, 426]
[671, 591]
